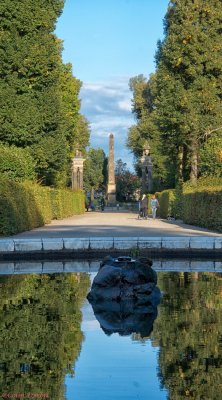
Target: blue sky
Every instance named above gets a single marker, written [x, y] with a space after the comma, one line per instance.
[108, 42]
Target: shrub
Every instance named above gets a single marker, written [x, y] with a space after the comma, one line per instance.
[202, 203]
[198, 203]
[65, 203]
[203, 208]
[27, 205]
[203, 184]
[166, 203]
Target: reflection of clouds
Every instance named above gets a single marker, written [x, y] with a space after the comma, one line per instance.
[107, 106]
[89, 326]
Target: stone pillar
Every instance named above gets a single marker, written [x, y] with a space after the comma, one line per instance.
[147, 169]
[111, 188]
[77, 171]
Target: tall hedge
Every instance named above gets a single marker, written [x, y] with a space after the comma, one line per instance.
[202, 203]
[198, 203]
[27, 205]
[166, 203]
[203, 208]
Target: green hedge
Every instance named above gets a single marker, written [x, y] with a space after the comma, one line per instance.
[166, 203]
[65, 203]
[197, 204]
[203, 208]
[27, 205]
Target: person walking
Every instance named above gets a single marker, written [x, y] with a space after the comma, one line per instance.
[144, 206]
[102, 204]
[139, 208]
[154, 203]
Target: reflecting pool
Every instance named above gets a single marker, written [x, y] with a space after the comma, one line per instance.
[52, 345]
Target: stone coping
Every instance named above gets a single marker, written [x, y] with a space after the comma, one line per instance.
[91, 267]
[97, 244]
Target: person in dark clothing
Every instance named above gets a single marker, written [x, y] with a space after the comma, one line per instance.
[144, 206]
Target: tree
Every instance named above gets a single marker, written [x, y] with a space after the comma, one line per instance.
[127, 184]
[189, 76]
[93, 173]
[145, 129]
[39, 105]
[211, 156]
[179, 109]
[16, 163]
[73, 124]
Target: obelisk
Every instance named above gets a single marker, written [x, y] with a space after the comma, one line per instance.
[111, 187]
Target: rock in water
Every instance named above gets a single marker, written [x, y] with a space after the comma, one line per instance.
[124, 296]
[124, 278]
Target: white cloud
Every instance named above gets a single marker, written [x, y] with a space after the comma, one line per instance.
[107, 106]
[125, 105]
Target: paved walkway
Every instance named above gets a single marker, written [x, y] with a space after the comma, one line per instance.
[113, 224]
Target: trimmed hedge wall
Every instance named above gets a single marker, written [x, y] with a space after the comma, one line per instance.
[203, 208]
[27, 205]
[197, 204]
[166, 203]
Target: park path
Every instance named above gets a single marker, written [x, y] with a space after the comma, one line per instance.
[113, 224]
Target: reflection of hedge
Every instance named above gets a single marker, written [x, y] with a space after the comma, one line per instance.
[188, 334]
[24, 206]
[44, 338]
[198, 204]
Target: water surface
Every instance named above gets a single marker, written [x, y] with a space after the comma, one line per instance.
[52, 344]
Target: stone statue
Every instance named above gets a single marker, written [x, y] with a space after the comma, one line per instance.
[147, 169]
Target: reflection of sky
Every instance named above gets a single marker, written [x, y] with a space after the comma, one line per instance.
[113, 367]
[89, 322]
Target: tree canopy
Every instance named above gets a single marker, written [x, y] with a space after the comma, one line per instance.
[183, 109]
[127, 183]
[94, 173]
[39, 105]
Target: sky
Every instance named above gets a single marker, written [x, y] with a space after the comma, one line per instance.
[108, 42]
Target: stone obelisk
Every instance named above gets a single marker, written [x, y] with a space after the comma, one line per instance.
[111, 187]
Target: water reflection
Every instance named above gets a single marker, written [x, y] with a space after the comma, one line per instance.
[188, 332]
[42, 345]
[126, 317]
[40, 335]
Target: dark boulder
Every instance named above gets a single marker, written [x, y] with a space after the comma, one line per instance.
[124, 296]
[127, 317]
[123, 278]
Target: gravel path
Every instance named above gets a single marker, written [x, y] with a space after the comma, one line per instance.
[113, 224]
